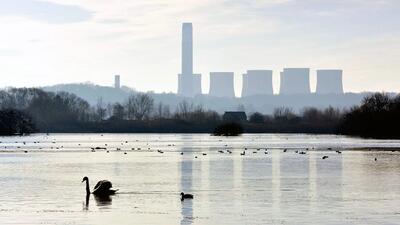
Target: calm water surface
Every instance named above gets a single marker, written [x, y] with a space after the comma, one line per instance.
[40, 179]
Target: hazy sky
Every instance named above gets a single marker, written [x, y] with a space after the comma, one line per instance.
[64, 41]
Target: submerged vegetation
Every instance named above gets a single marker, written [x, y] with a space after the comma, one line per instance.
[27, 110]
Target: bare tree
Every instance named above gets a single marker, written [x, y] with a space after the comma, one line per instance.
[109, 111]
[183, 110]
[198, 114]
[332, 114]
[130, 107]
[143, 106]
[166, 112]
[159, 111]
[101, 109]
[162, 111]
[118, 111]
[283, 113]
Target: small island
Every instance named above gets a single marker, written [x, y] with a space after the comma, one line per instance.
[228, 129]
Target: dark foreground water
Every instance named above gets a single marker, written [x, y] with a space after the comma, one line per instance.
[40, 179]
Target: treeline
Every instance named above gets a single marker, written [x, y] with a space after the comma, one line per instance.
[65, 112]
[25, 110]
[309, 120]
[378, 116]
[45, 110]
[15, 122]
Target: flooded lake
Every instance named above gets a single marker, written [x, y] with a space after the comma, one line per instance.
[272, 183]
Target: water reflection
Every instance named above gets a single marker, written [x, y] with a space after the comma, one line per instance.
[186, 180]
[312, 179]
[257, 188]
[238, 182]
[86, 203]
[101, 201]
[105, 200]
[276, 184]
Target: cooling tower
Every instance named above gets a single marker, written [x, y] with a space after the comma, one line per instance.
[189, 84]
[196, 84]
[295, 81]
[221, 84]
[257, 82]
[329, 82]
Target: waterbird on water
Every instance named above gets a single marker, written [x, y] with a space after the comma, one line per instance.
[325, 157]
[102, 188]
[186, 196]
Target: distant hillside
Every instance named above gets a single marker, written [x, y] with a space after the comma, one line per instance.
[261, 103]
[92, 92]
[266, 103]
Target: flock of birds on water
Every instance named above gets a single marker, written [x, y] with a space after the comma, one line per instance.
[104, 187]
[242, 153]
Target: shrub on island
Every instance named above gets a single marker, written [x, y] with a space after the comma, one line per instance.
[228, 129]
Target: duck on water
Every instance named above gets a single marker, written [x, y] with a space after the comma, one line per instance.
[102, 188]
[186, 196]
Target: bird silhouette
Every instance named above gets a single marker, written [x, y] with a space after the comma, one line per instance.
[186, 196]
[102, 188]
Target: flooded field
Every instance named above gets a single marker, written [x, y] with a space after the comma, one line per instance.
[252, 179]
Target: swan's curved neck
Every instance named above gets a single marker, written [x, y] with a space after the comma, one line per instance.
[87, 187]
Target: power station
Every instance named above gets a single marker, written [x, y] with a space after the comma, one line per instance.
[295, 81]
[222, 84]
[329, 82]
[257, 82]
[189, 84]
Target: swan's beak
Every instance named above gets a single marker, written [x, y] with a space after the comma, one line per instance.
[82, 181]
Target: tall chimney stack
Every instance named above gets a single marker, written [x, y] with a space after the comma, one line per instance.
[189, 84]
[117, 82]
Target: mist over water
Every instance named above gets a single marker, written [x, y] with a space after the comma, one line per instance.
[43, 185]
